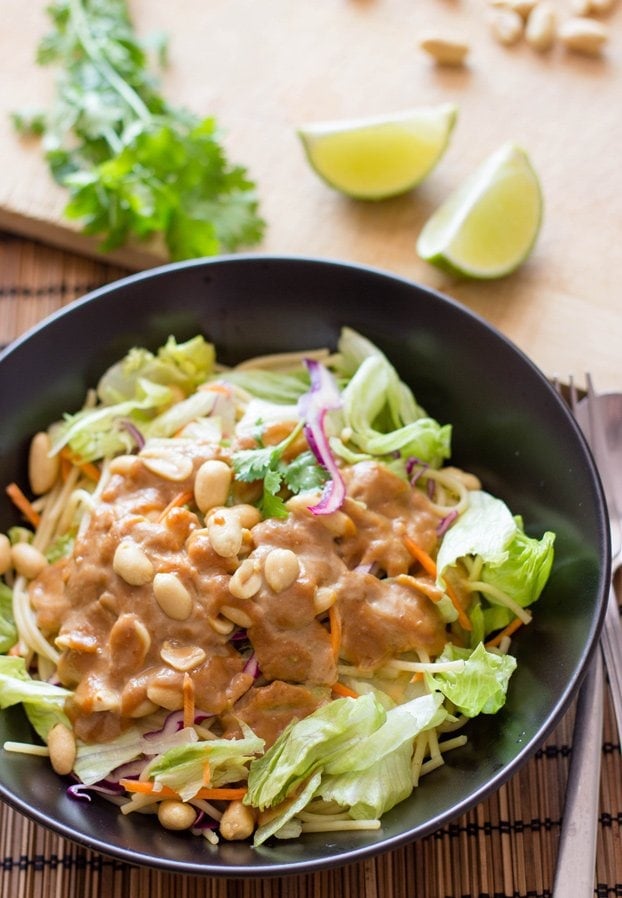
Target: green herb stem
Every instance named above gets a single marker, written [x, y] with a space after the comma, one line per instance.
[92, 50]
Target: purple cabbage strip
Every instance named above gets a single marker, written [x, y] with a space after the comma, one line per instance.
[82, 792]
[134, 432]
[446, 523]
[322, 397]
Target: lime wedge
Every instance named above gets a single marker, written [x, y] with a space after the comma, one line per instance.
[376, 158]
[489, 225]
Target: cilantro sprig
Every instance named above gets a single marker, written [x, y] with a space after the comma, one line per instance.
[266, 463]
[134, 165]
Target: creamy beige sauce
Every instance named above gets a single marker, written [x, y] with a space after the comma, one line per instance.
[125, 657]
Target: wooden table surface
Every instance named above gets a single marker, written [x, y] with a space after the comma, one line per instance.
[262, 68]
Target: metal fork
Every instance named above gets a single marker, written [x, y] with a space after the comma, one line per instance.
[595, 428]
[576, 857]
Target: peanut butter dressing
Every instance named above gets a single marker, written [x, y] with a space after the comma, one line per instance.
[145, 601]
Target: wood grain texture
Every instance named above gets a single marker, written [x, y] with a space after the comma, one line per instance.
[262, 68]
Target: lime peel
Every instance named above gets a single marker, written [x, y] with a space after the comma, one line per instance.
[382, 156]
[488, 226]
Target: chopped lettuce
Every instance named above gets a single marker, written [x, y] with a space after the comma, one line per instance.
[480, 687]
[513, 564]
[43, 702]
[96, 761]
[273, 387]
[184, 365]
[183, 768]
[8, 630]
[94, 433]
[362, 751]
[381, 416]
[306, 745]
[288, 810]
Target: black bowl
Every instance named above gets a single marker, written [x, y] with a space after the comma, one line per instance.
[509, 427]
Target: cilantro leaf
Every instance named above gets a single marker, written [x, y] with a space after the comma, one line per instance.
[304, 473]
[254, 464]
[135, 166]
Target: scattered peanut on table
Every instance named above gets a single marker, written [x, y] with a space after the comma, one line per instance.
[580, 31]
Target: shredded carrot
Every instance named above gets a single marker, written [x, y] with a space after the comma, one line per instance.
[463, 619]
[416, 677]
[207, 774]
[429, 566]
[23, 504]
[340, 689]
[188, 696]
[511, 628]
[426, 561]
[335, 630]
[88, 469]
[176, 502]
[220, 793]
[145, 787]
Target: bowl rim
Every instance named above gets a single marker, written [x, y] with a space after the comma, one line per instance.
[474, 797]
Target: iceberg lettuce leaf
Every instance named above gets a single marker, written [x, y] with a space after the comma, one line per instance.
[480, 687]
[8, 630]
[183, 768]
[308, 745]
[371, 792]
[382, 417]
[43, 702]
[513, 563]
[184, 365]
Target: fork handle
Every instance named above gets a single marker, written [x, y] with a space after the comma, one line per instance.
[576, 858]
[611, 643]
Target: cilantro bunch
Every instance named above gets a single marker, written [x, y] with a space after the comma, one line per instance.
[135, 166]
[267, 463]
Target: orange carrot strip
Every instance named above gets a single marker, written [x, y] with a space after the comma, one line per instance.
[176, 502]
[23, 504]
[511, 628]
[219, 793]
[335, 630]
[222, 793]
[88, 469]
[426, 561]
[340, 689]
[145, 787]
[429, 566]
[463, 618]
[188, 696]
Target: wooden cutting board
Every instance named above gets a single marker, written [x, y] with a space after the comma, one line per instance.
[262, 68]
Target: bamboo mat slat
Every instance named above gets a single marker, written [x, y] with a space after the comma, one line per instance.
[504, 848]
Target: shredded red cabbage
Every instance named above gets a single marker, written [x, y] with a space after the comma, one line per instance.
[312, 407]
[446, 523]
[83, 793]
[134, 432]
[252, 667]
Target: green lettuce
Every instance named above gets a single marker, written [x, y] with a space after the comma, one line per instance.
[306, 745]
[94, 433]
[43, 702]
[184, 365]
[8, 630]
[183, 768]
[480, 687]
[361, 750]
[513, 563]
[382, 417]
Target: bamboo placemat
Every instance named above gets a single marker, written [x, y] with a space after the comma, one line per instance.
[504, 848]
